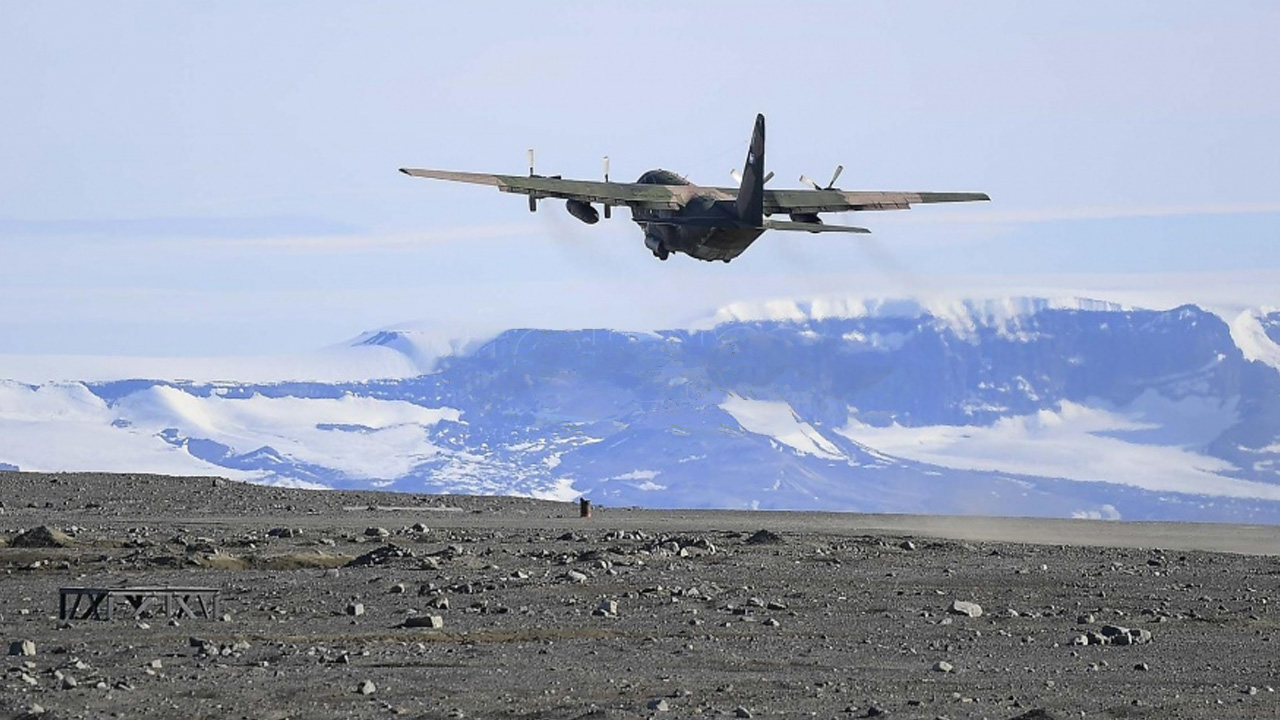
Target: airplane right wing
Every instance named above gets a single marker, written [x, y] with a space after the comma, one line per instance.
[816, 201]
[650, 197]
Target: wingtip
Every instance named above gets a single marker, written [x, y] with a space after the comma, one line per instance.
[404, 170]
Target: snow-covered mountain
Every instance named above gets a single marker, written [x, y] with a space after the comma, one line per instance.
[1028, 406]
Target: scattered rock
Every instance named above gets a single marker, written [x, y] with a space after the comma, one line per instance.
[943, 666]
[606, 608]
[434, 622]
[907, 545]
[966, 608]
[381, 555]
[1036, 714]
[377, 532]
[22, 648]
[659, 705]
[42, 537]
[741, 712]
[367, 688]
[355, 609]
[1119, 635]
[765, 537]
[576, 576]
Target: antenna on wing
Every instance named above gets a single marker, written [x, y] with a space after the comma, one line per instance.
[830, 186]
[608, 209]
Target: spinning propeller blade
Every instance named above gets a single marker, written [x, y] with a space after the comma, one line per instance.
[830, 186]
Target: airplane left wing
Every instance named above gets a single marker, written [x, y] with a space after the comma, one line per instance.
[651, 197]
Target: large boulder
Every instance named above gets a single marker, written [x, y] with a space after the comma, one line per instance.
[42, 537]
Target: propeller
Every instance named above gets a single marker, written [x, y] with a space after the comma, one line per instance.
[533, 200]
[608, 209]
[830, 186]
[737, 176]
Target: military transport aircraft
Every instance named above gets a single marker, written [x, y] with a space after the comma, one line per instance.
[706, 223]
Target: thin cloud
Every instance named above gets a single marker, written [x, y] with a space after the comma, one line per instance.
[400, 240]
[1102, 212]
[176, 227]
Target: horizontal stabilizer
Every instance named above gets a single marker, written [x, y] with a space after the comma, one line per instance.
[690, 221]
[793, 226]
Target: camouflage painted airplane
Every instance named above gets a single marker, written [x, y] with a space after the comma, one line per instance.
[706, 223]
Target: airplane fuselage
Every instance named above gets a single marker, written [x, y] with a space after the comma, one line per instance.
[708, 227]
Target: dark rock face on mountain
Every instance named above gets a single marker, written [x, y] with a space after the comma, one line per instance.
[1020, 407]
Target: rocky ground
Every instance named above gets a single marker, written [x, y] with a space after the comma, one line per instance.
[341, 604]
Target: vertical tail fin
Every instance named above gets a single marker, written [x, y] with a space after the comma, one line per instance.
[750, 202]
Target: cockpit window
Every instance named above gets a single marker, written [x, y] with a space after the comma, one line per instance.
[661, 177]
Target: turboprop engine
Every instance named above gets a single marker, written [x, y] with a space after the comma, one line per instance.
[583, 211]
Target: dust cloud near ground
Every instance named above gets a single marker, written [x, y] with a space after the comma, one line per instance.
[368, 605]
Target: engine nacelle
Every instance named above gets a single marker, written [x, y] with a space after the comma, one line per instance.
[583, 211]
[807, 218]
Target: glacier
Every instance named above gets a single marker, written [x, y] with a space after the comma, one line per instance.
[1062, 407]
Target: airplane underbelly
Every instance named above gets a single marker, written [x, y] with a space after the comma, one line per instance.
[723, 243]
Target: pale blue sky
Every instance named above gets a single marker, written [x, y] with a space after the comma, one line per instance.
[208, 178]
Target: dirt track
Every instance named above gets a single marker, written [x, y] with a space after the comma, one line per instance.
[629, 613]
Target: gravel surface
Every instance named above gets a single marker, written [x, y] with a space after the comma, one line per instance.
[354, 605]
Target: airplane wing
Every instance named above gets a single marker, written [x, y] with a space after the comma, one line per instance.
[816, 201]
[652, 197]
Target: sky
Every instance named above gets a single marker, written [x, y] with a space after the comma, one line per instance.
[197, 179]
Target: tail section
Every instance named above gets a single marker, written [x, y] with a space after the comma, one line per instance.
[750, 203]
